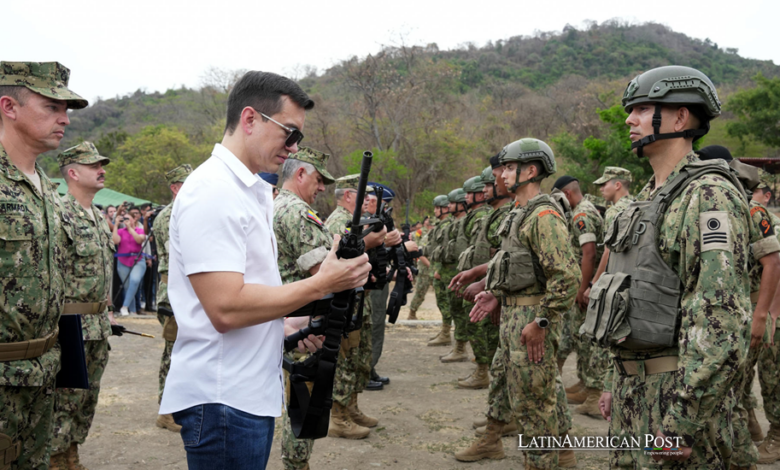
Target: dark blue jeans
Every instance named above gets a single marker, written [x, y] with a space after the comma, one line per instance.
[218, 437]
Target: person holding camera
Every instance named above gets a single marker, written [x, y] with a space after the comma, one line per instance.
[131, 267]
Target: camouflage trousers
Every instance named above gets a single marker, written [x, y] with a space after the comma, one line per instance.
[75, 408]
[530, 393]
[745, 451]
[353, 369]
[26, 415]
[442, 300]
[457, 311]
[638, 408]
[592, 360]
[483, 336]
[421, 285]
[769, 379]
[165, 361]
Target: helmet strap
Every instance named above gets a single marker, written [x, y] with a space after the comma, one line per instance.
[695, 133]
[532, 180]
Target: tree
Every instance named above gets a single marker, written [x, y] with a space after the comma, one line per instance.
[757, 111]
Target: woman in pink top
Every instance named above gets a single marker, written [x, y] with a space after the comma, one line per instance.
[131, 266]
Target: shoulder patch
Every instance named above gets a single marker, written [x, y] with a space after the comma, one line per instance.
[715, 231]
[548, 212]
[312, 216]
[755, 209]
[766, 228]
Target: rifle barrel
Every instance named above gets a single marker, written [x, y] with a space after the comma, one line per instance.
[365, 168]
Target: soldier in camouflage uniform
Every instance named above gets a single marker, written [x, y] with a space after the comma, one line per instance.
[675, 372]
[586, 230]
[433, 251]
[532, 281]
[452, 243]
[34, 98]
[87, 287]
[175, 179]
[424, 274]
[769, 356]
[475, 222]
[614, 185]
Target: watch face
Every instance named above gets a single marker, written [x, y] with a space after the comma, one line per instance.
[543, 322]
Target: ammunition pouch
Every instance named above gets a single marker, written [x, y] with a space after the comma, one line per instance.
[605, 320]
[9, 451]
[510, 271]
[170, 329]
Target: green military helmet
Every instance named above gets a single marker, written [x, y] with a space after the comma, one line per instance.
[487, 175]
[525, 151]
[675, 85]
[457, 195]
[474, 185]
[441, 201]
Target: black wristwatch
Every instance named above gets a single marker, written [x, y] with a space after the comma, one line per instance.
[542, 322]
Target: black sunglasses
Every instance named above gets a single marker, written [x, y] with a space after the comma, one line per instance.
[294, 136]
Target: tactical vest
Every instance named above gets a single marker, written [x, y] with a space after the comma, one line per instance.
[439, 240]
[479, 253]
[636, 303]
[458, 244]
[515, 267]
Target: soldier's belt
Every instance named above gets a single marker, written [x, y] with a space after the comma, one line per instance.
[754, 297]
[656, 365]
[28, 349]
[84, 308]
[164, 278]
[518, 301]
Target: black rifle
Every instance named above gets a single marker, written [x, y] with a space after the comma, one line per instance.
[376, 256]
[398, 267]
[310, 412]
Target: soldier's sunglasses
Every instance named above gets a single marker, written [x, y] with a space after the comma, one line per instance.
[294, 136]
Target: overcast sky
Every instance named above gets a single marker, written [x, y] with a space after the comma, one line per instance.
[115, 48]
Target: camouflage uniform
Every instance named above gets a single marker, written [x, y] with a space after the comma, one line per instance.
[439, 285]
[586, 226]
[161, 231]
[533, 390]
[458, 313]
[694, 401]
[424, 273]
[769, 365]
[303, 243]
[34, 258]
[745, 451]
[87, 287]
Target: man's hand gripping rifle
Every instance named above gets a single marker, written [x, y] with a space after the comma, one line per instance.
[401, 265]
[331, 316]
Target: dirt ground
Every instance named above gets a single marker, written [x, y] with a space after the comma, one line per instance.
[423, 416]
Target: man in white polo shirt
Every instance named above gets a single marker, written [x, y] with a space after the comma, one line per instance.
[225, 383]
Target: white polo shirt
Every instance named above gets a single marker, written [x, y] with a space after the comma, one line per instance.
[222, 220]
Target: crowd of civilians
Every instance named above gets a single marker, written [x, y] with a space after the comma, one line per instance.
[135, 264]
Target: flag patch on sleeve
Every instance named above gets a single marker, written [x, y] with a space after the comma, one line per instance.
[311, 215]
[715, 231]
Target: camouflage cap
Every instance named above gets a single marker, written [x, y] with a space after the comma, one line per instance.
[317, 159]
[49, 79]
[614, 172]
[178, 174]
[766, 179]
[84, 153]
[349, 182]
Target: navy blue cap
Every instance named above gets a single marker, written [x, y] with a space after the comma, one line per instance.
[387, 194]
[270, 178]
[564, 181]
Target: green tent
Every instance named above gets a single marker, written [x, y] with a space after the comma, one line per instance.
[104, 197]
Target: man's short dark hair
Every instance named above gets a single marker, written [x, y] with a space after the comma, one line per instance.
[110, 206]
[19, 93]
[262, 91]
[626, 184]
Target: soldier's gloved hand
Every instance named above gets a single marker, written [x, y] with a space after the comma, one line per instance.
[605, 405]
[117, 330]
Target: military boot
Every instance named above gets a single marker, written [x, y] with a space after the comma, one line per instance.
[769, 450]
[755, 429]
[167, 422]
[443, 338]
[480, 423]
[578, 397]
[458, 353]
[342, 426]
[357, 416]
[576, 387]
[58, 462]
[478, 380]
[591, 404]
[412, 315]
[489, 446]
[509, 429]
[72, 457]
[566, 458]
